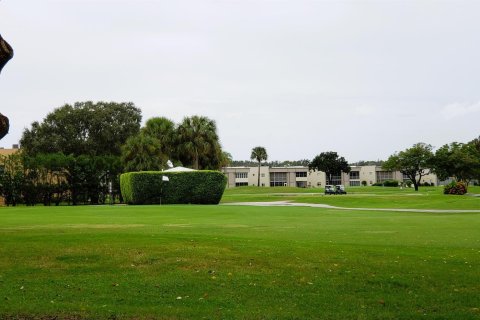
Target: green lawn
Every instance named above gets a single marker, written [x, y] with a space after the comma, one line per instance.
[360, 197]
[231, 262]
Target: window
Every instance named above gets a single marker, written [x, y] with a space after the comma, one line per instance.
[384, 176]
[354, 175]
[241, 175]
[302, 174]
[241, 184]
[336, 179]
[354, 183]
[278, 179]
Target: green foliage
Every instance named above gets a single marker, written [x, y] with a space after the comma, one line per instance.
[164, 130]
[459, 160]
[455, 187]
[198, 145]
[386, 183]
[84, 128]
[196, 187]
[56, 178]
[330, 163]
[364, 183]
[412, 162]
[12, 179]
[143, 153]
[259, 154]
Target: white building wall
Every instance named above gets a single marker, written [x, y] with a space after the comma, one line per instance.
[314, 179]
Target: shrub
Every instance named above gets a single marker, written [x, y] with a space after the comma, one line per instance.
[196, 187]
[390, 183]
[458, 188]
[364, 183]
[386, 183]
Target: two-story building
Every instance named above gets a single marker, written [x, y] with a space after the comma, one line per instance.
[298, 176]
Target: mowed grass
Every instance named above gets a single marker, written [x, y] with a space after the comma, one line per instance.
[231, 262]
[360, 197]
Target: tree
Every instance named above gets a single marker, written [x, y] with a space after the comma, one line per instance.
[413, 162]
[457, 160]
[226, 159]
[164, 131]
[143, 153]
[330, 163]
[475, 143]
[198, 143]
[85, 128]
[12, 178]
[259, 154]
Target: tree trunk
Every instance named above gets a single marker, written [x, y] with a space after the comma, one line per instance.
[258, 185]
[195, 164]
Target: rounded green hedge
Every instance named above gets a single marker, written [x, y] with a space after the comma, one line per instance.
[196, 187]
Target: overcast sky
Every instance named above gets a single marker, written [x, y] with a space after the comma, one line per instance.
[363, 78]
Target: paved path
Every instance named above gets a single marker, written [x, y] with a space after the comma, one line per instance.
[326, 206]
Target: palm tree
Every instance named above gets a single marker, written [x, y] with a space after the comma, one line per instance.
[197, 140]
[142, 153]
[259, 154]
[162, 129]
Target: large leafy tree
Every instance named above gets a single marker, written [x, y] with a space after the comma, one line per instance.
[413, 162]
[86, 128]
[330, 163]
[259, 154]
[458, 160]
[198, 143]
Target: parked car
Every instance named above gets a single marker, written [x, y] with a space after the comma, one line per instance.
[330, 189]
[340, 189]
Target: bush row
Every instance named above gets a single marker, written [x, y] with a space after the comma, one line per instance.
[386, 183]
[196, 187]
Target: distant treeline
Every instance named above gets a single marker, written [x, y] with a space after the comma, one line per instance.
[294, 163]
[288, 163]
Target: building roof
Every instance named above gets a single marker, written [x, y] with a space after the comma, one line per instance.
[179, 169]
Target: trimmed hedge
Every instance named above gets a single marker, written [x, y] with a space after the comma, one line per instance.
[196, 187]
[387, 183]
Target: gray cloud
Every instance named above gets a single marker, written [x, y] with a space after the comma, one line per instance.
[288, 75]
